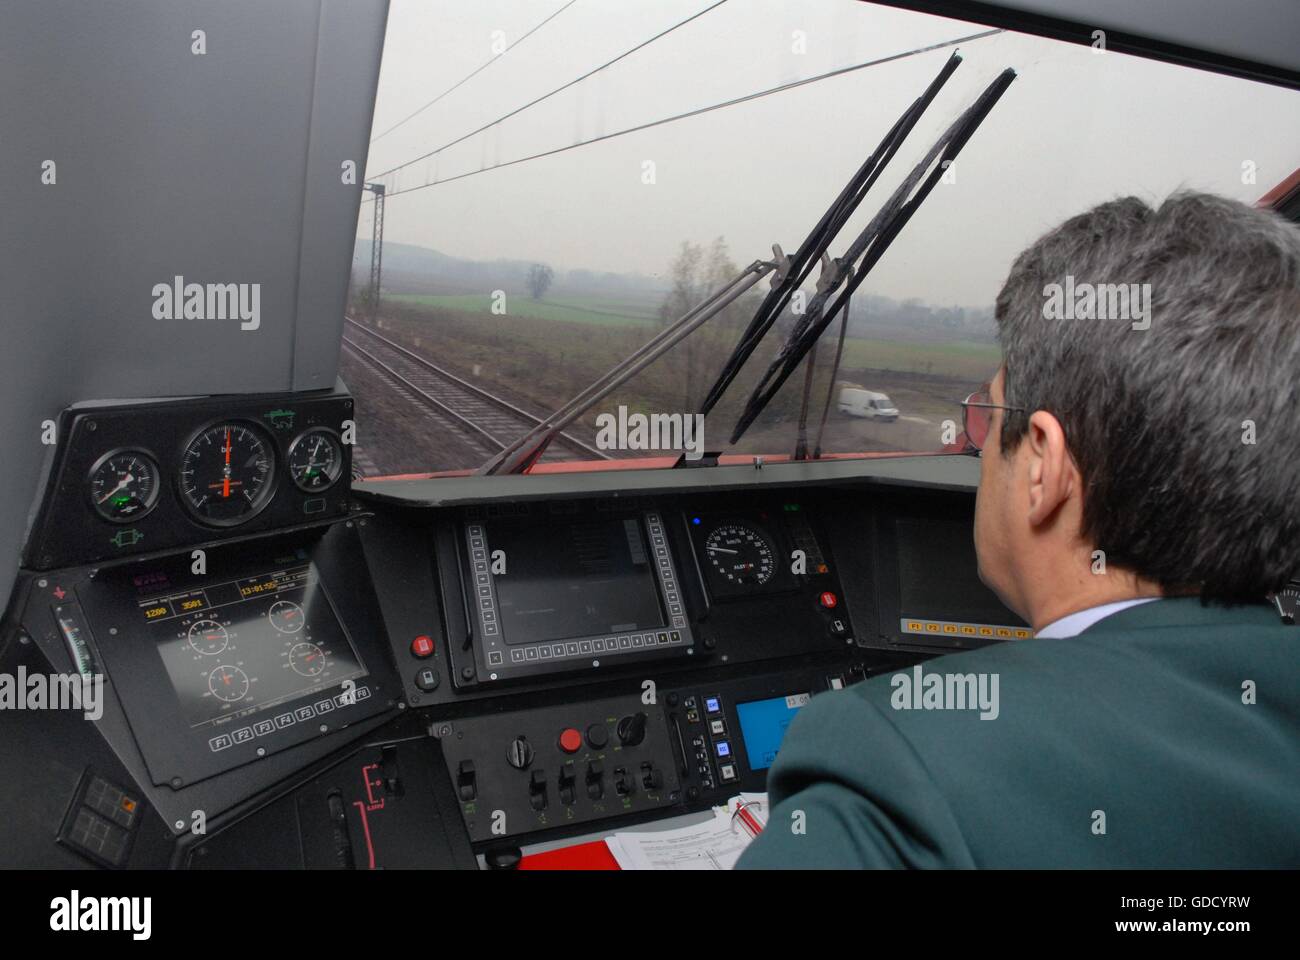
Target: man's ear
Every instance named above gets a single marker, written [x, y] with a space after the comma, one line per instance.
[1052, 473]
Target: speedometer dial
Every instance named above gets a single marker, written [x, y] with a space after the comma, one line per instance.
[227, 474]
[740, 554]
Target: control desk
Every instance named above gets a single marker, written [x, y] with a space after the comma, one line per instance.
[418, 672]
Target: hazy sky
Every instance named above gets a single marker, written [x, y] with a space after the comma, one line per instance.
[1076, 128]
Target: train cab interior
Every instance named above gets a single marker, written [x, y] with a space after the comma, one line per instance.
[406, 470]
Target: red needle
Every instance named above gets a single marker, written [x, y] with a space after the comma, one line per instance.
[225, 486]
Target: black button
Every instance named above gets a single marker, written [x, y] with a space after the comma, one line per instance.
[426, 678]
[598, 736]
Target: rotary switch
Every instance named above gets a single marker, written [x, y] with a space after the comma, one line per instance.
[631, 729]
[520, 753]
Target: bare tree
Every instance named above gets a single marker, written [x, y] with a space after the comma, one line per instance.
[685, 292]
[539, 280]
[697, 272]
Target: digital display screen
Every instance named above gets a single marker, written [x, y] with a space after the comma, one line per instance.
[938, 574]
[582, 578]
[243, 646]
[763, 724]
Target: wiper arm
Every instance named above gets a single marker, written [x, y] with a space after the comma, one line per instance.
[871, 245]
[814, 245]
[520, 455]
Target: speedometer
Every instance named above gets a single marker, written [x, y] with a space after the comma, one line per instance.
[740, 554]
[227, 474]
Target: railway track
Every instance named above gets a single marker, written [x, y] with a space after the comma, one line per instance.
[485, 422]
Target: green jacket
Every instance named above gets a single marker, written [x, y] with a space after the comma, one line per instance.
[1126, 746]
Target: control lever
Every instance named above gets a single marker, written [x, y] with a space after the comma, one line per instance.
[624, 785]
[651, 778]
[567, 783]
[595, 780]
[467, 781]
[537, 790]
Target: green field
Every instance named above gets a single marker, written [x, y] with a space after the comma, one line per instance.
[605, 313]
[960, 359]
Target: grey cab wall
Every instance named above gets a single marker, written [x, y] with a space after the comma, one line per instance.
[134, 150]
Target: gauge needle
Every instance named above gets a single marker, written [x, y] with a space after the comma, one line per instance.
[225, 487]
[120, 484]
[721, 550]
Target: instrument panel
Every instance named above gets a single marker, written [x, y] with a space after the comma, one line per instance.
[529, 591]
[136, 478]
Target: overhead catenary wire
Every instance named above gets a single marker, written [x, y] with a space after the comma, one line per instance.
[722, 105]
[560, 89]
[475, 72]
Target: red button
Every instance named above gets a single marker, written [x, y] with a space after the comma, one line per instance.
[570, 740]
[829, 600]
[422, 647]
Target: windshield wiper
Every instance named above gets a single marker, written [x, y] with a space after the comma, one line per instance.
[814, 246]
[788, 275]
[870, 245]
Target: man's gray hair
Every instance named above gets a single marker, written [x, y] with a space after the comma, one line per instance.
[1187, 432]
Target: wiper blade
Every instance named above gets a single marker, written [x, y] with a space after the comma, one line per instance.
[871, 245]
[795, 271]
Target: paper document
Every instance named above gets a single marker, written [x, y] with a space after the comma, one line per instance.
[715, 844]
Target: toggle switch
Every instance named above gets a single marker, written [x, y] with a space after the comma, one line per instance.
[567, 783]
[595, 780]
[467, 781]
[537, 790]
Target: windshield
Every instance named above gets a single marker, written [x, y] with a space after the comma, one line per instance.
[526, 252]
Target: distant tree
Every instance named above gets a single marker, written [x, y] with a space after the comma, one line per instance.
[539, 280]
[695, 273]
[685, 292]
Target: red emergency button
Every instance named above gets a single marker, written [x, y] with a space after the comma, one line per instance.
[829, 600]
[570, 740]
[422, 647]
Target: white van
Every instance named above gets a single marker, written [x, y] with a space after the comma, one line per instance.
[856, 402]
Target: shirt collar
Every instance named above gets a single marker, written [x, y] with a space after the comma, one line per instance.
[1075, 623]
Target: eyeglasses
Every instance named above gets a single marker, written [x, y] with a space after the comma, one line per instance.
[977, 416]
